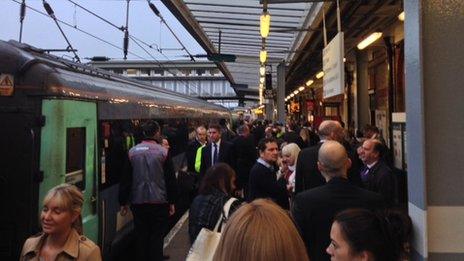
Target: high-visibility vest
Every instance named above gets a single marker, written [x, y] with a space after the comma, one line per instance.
[198, 158]
[129, 142]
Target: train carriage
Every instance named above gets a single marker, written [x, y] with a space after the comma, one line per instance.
[67, 122]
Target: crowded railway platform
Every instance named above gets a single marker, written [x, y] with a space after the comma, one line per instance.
[290, 130]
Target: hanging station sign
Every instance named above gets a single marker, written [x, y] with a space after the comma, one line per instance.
[334, 69]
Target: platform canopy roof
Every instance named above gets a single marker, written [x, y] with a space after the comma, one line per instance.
[237, 24]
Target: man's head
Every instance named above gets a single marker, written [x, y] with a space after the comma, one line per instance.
[371, 152]
[214, 132]
[331, 130]
[151, 130]
[243, 130]
[201, 134]
[333, 160]
[370, 131]
[268, 150]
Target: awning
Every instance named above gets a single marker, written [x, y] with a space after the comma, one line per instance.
[237, 23]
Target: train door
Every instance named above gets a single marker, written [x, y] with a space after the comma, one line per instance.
[67, 153]
[19, 177]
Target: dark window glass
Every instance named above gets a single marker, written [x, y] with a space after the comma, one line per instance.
[118, 71]
[75, 157]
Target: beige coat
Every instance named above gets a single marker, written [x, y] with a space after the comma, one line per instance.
[76, 248]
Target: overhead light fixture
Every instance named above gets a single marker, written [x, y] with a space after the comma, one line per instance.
[401, 17]
[265, 24]
[301, 88]
[309, 82]
[369, 40]
[262, 56]
[320, 74]
[344, 59]
[262, 70]
[296, 92]
[261, 86]
[291, 95]
[261, 80]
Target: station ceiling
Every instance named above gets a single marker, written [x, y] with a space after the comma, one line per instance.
[295, 34]
[238, 23]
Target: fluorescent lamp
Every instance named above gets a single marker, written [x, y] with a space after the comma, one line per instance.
[265, 24]
[369, 40]
[262, 71]
[301, 88]
[401, 17]
[308, 83]
[262, 56]
[320, 74]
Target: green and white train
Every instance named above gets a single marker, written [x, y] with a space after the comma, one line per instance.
[66, 122]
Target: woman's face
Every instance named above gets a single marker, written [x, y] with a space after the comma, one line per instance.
[55, 219]
[339, 249]
[288, 159]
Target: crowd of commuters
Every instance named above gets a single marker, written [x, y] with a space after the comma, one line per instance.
[303, 194]
[311, 177]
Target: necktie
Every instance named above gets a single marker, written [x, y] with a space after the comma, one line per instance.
[365, 174]
[215, 154]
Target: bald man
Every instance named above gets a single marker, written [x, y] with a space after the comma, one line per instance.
[376, 175]
[314, 209]
[307, 174]
[191, 151]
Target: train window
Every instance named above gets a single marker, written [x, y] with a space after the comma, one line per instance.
[217, 87]
[75, 157]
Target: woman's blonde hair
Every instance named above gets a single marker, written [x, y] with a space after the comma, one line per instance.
[260, 231]
[291, 149]
[69, 198]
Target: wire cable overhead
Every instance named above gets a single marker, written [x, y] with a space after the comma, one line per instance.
[50, 12]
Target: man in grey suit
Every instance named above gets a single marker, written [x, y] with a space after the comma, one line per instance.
[314, 209]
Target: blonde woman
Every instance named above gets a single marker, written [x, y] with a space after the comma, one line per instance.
[61, 237]
[260, 231]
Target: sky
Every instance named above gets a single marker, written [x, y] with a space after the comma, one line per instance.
[41, 31]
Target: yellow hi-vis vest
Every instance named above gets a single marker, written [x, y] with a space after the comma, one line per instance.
[198, 158]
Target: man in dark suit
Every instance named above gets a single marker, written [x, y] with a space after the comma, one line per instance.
[313, 210]
[376, 175]
[263, 182]
[245, 150]
[192, 147]
[216, 150]
[307, 174]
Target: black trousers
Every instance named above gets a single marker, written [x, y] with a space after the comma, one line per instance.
[151, 222]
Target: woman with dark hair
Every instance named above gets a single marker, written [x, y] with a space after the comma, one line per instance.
[359, 234]
[216, 188]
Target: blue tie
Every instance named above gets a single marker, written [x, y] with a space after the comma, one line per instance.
[364, 174]
[215, 154]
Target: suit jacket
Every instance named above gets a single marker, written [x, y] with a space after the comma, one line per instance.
[226, 155]
[246, 154]
[314, 210]
[381, 180]
[307, 174]
[191, 153]
[263, 184]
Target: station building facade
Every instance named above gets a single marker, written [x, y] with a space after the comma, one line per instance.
[200, 79]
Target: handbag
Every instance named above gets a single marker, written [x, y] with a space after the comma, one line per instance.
[205, 245]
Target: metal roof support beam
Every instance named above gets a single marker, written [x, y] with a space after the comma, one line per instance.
[186, 18]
